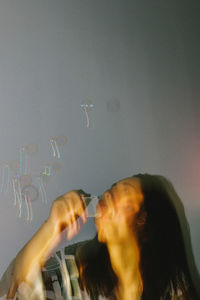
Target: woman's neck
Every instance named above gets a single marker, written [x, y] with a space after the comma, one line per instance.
[125, 259]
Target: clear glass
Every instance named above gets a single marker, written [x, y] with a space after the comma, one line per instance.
[91, 203]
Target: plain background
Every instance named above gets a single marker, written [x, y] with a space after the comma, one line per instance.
[137, 62]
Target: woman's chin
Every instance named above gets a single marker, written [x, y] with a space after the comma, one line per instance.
[101, 237]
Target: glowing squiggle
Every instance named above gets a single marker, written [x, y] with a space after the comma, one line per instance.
[87, 117]
[54, 152]
[47, 171]
[87, 106]
[42, 189]
[19, 191]
[30, 208]
[55, 149]
[27, 207]
[17, 194]
[14, 191]
[58, 152]
[8, 179]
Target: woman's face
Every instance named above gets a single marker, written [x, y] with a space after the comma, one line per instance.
[117, 209]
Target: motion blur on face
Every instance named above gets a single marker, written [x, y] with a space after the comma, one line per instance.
[118, 208]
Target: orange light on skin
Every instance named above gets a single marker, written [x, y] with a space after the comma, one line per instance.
[118, 208]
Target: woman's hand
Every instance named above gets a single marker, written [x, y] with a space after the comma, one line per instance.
[68, 212]
[64, 214]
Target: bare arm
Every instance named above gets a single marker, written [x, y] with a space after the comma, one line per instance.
[64, 213]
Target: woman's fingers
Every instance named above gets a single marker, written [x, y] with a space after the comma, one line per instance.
[67, 209]
[77, 206]
[75, 210]
[84, 212]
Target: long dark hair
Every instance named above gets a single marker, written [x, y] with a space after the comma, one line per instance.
[167, 264]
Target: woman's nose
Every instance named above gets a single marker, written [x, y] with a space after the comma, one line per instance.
[109, 201]
[107, 197]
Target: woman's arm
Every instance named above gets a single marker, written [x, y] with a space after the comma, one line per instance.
[64, 213]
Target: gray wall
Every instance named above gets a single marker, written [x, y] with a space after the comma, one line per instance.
[56, 54]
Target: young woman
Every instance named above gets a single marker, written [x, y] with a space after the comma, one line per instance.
[142, 249]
